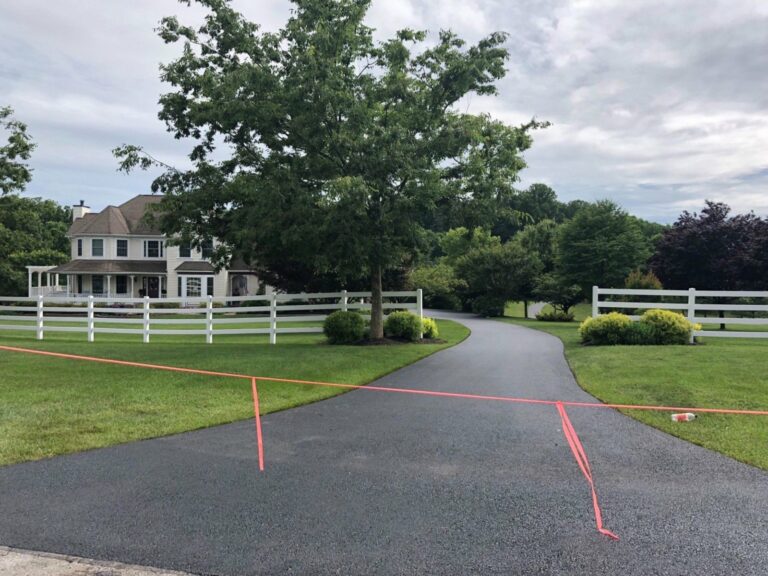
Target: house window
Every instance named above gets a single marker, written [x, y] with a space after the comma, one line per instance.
[207, 247]
[153, 249]
[185, 251]
[79, 246]
[121, 284]
[194, 287]
[209, 286]
[97, 247]
[97, 284]
[122, 248]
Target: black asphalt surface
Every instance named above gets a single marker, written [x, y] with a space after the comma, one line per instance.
[384, 483]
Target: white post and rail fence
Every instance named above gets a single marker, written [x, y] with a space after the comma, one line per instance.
[270, 314]
[741, 308]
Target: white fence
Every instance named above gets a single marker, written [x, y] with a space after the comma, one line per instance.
[695, 303]
[271, 314]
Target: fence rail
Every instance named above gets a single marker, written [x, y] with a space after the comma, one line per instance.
[237, 315]
[693, 302]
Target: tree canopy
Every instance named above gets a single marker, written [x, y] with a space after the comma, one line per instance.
[320, 150]
[712, 250]
[600, 246]
[32, 232]
[15, 173]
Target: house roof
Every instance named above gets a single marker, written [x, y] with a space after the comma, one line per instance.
[111, 267]
[124, 220]
[195, 267]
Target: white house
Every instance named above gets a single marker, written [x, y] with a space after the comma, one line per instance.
[117, 253]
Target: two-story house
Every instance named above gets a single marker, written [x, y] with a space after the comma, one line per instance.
[117, 253]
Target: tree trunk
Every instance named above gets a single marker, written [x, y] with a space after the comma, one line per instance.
[525, 309]
[722, 315]
[377, 310]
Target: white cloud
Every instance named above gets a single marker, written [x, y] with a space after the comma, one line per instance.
[653, 104]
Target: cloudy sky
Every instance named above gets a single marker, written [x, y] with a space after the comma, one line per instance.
[658, 105]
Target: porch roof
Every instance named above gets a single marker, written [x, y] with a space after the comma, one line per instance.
[111, 267]
[195, 267]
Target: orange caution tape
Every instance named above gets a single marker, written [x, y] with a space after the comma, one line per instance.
[581, 459]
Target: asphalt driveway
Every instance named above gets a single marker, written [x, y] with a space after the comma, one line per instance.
[381, 483]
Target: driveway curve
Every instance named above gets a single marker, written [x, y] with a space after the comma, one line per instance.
[381, 483]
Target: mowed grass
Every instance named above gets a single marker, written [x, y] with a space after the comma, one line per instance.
[717, 373]
[51, 406]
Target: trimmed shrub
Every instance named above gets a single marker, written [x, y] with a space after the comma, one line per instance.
[430, 328]
[640, 334]
[488, 306]
[344, 327]
[402, 325]
[669, 327]
[555, 316]
[608, 329]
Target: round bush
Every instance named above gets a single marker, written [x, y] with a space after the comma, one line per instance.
[607, 329]
[640, 334]
[669, 327]
[344, 327]
[555, 316]
[488, 306]
[403, 325]
[430, 328]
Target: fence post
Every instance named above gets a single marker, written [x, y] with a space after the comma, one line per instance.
[595, 296]
[90, 318]
[344, 300]
[691, 308]
[420, 310]
[39, 316]
[146, 319]
[209, 320]
[273, 319]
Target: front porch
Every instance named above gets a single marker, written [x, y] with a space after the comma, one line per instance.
[110, 279]
[116, 285]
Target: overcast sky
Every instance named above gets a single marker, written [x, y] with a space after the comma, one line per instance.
[657, 105]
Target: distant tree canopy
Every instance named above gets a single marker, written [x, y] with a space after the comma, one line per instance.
[15, 174]
[32, 232]
[713, 251]
[600, 246]
[337, 148]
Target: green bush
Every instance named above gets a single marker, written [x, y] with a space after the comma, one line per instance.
[609, 329]
[344, 327]
[655, 327]
[488, 306]
[669, 327]
[430, 328]
[640, 334]
[439, 283]
[403, 325]
[555, 316]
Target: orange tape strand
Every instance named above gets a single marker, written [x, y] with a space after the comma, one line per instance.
[260, 444]
[387, 389]
[581, 459]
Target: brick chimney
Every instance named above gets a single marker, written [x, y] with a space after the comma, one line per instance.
[80, 210]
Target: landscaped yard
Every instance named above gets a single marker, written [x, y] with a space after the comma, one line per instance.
[717, 373]
[54, 406]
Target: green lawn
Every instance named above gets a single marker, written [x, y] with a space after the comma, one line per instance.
[54, 406]
[717, 373]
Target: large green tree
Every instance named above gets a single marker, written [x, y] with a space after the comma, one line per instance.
[15, 173]
[32, 231]
[316, 147]
[599, 246]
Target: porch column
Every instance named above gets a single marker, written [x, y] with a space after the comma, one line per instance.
[29, 282]
[132, 287]
[109, 284]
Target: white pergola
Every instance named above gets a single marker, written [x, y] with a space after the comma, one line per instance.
[40, 288]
